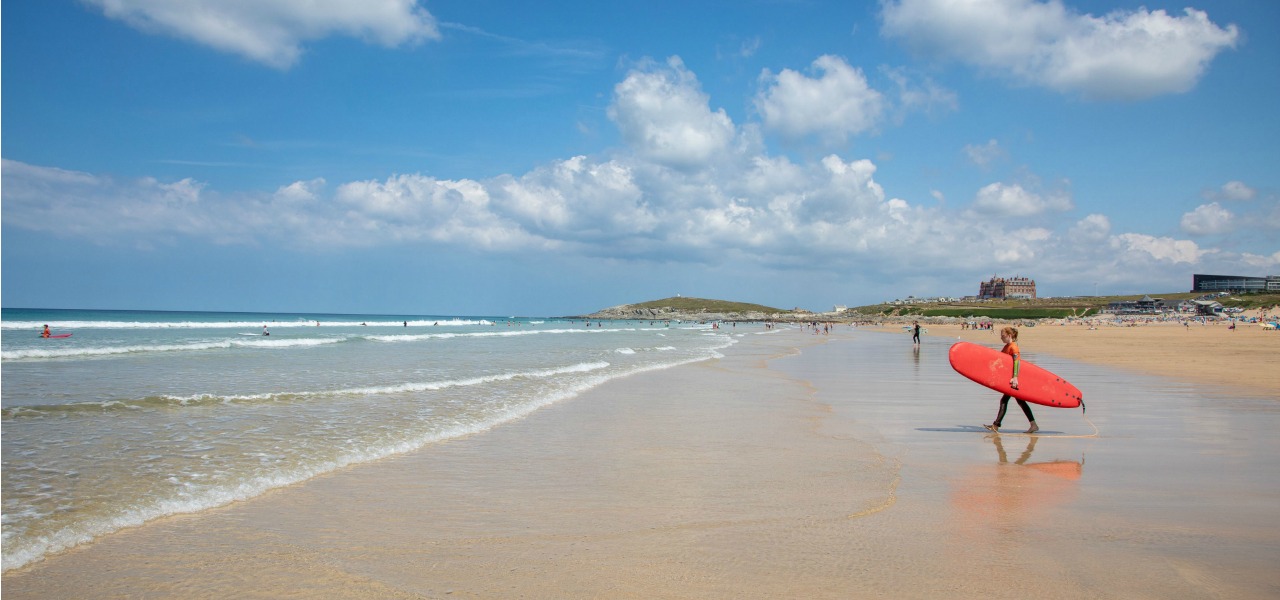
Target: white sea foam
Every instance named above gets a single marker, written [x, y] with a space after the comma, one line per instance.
[97, 351]
[36, 326]
[190, 419]
[417, 337]
[213, 399]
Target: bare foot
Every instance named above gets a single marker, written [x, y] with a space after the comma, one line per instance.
[1034, 428]
[992, 428]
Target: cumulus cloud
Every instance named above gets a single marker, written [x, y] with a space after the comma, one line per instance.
[664, 115]
[1208, 219]
[1125, 55]
[1013, 200]
[1162, 249]
[577, 199]
[1093, 228]
[1232, 191]
[407, 208]
[273, 32]
[835, 102]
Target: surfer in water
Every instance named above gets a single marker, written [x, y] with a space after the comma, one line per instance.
[1009, 336]
[45, 333]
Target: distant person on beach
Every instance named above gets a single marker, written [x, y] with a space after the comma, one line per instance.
[915, 333]
[45, 333]
[1009, 336]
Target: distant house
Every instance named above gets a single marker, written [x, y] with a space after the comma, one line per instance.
[1146, 306]
[1208, 308]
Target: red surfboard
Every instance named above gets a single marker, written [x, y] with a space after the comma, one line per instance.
[993, 369]
[60, 335]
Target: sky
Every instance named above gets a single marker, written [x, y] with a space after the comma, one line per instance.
[555, 158]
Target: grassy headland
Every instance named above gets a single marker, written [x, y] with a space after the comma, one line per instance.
[683, 303]
[685, 308]
[1047, 308]
[681, 307]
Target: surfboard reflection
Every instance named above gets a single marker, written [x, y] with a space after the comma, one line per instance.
[1012, 495]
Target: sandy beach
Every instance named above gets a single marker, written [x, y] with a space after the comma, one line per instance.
[848, 465]
[1243, 358]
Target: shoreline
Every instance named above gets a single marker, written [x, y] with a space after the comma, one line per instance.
[797, 465]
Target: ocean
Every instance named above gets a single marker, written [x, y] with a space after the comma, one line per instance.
[142, 414]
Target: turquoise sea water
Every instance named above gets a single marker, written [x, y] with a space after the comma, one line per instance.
[142, 414]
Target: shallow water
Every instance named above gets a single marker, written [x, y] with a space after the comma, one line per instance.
[141, 415]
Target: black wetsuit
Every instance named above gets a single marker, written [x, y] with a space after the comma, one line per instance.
[1004, 405]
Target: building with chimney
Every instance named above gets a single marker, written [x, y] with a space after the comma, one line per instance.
[1013, 287]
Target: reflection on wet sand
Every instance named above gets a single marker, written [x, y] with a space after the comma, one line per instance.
[1000, 513]
[1007, 498]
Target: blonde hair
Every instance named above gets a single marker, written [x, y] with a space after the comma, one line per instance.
[1013, 333]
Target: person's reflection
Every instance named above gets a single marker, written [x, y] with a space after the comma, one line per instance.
[1067, 469]
[1001, 512]
[1026, 454]
[1007, 498]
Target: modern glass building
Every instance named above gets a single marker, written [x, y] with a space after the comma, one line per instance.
[1234, 283]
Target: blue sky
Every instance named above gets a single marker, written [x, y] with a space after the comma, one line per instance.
[555, 158]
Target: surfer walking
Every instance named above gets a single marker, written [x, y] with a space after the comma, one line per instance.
[1009, 336]
[915, 333]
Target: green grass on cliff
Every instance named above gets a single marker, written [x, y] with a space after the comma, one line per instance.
[686, 304]
[1051, 307]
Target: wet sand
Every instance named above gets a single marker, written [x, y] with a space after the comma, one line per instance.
[850, 465]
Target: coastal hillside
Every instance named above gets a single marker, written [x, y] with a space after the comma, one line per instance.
[1049, 308]
[704, 309]
[692, 309]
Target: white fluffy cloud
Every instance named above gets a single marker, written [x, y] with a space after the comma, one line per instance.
[1162, 249]
[664, 115]
[407, 208]
[1093, 228]
[1121, 55]
[1013, 200]
[1208, 219]
[1232, 191]
[836, 103]
[272, 32]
